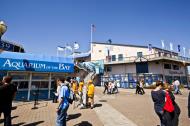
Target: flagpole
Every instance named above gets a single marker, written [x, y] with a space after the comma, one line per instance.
[57, 52]
[65, 50]
[91, 30]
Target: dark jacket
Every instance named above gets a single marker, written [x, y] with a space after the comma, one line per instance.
[189, 105]
[6, 95]
[158, 98]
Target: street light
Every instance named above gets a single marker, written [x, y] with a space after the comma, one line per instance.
[3, 28]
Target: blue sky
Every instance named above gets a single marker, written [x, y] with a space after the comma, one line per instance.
[53, 23]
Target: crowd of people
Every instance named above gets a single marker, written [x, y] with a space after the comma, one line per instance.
[110, 87]
[69, 90]
[75, 90]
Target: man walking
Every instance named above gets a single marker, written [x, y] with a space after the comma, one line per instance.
[63, 103]
[189, 105]
[7, 93]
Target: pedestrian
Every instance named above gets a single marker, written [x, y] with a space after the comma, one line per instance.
[142, 87]
[7, 94]
[56, 93]
[138, 89]
[158, 97]
[176, 84]
[84, 96]
[81, 84]
[105, 87]
[63, 104]
[90, 93]
[189, 105]
[75, 87]
[172, 111]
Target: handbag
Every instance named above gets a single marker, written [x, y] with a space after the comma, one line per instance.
[168, 104]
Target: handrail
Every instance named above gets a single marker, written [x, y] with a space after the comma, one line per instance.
[147, 57]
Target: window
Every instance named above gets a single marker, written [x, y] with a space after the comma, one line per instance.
[175, 67]
[109, 69]
[120, 57]
[113, 57]
[167, 66]
[100, 50]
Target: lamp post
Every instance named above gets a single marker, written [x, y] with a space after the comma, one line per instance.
[3, 28]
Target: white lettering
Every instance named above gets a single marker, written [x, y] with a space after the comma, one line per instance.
[63, 67]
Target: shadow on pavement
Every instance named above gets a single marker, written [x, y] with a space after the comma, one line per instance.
[84, 123]
[19, 124]
[73, 116]
[102, 100]
[34, 124]
[97, 105]
[1, 120]
[13, 108]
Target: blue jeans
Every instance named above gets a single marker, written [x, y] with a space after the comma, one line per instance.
[61, 117]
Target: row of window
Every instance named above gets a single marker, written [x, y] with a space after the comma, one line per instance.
[166, 66]
[113, 57]
[120, 57]
[171, 66]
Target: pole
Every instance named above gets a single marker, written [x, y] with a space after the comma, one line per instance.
[57, 53]
[91, 33]
[73, 55]
[91, 38]
[65, 50]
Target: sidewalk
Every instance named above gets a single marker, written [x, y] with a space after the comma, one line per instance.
[123, 109]
[45, 115]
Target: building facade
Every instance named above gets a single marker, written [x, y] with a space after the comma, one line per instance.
[129, 63]
[33, 73]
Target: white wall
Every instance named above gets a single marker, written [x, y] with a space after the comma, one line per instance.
[122, 69]
[155, 68]
[99, 51]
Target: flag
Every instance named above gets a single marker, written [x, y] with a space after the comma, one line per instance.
[76, 45]
[162, 44]
[150, 47]
[178, 48]
[69, 48]
[184, 51]
[59, 48]
[93, 27]
[171, 46]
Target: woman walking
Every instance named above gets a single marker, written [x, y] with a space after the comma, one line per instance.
[158, 97]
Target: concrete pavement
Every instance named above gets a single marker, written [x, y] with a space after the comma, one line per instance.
[123, 109]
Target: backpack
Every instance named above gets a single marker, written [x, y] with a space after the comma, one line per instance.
[168, 104]
[71, 97]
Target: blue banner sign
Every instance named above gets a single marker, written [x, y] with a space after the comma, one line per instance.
[7, 64]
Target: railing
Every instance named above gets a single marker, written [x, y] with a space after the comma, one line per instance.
[150, 57]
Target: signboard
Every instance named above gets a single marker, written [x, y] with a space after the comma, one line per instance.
[6, 46]
[8, 64]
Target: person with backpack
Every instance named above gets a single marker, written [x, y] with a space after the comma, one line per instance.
[158, 97]
[189, 105]
[63, 104]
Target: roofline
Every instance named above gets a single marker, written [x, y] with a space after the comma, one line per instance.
[140, 46]
[13, 43]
